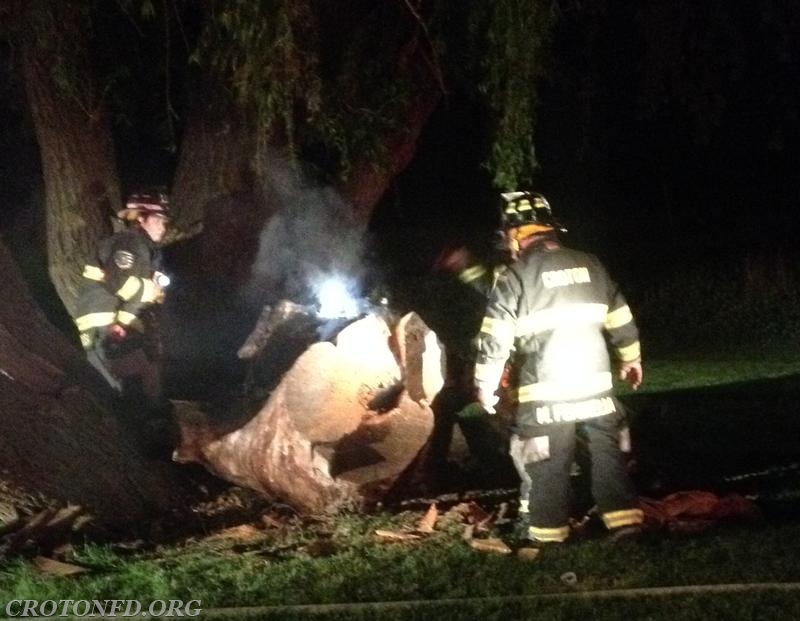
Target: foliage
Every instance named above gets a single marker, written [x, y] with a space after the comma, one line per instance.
[332, 82]
[517, 39]
[334, 95]
[310, 86]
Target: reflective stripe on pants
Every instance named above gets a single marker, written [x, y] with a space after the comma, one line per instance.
[550, 495]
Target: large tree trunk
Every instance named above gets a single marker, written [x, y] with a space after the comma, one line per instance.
[217, 186]
[349, 422]
[369, 181]
[72, 128]
[346, 426]
[60, 441]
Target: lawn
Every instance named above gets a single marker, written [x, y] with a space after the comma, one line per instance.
[339, 566]
[283, 566]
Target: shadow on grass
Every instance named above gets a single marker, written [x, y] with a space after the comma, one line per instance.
[742, 437]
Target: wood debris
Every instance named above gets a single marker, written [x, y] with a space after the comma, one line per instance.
[9, 517]
[46, 530]
[528, 554]
[396, 535]
[52, 567]
[472, 513]
[468, 517]
[270, 521]
[502, 510]
[428, 522]
[245, 533]
[469, 532]
[491, 545]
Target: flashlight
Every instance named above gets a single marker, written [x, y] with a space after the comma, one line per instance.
[161, 279]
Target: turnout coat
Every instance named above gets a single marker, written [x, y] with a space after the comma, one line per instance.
[555, 312]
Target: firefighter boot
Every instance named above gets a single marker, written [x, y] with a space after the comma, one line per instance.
[517, 531]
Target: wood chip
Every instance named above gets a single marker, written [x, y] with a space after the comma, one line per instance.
[270, 521]
[475, 514]
[469, 532]
[527, 554]
[501, 512]
[9, 518]
[428, 522]
[64, 552]
[491, 545]
[81, 522]
[52, 567]
[242, 533]
[394, 535]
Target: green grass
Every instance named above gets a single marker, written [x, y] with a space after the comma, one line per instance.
[715, 369]
[338, 560]
[358, 568]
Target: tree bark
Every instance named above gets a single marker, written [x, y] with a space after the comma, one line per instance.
[73, 132]
[219, 188]
[346, 426]
[370, 180]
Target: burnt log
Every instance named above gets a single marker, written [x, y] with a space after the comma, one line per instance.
[345, 426]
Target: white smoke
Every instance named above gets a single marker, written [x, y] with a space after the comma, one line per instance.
[309, 240]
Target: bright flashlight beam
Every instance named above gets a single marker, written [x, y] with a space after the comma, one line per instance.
[335, 300]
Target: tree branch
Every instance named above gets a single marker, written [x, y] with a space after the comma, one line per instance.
[433, 62]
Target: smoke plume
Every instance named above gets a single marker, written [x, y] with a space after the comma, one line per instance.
[310, 238]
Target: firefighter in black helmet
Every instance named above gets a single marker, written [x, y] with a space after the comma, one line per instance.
[122, 281]
[462, 276]
[555, 313]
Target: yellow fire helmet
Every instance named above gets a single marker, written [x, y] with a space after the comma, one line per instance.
[529, 210]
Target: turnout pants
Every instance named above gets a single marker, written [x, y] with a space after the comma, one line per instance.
[545, 461]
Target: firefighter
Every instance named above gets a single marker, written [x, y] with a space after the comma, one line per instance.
[463, 281]
[119, 285]
[555, 312]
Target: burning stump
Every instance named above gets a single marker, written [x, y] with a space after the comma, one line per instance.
[340, 429]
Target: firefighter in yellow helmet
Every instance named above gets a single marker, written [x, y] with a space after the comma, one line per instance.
[122, 280]
[555, 312]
